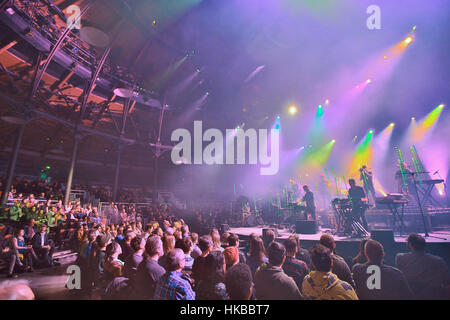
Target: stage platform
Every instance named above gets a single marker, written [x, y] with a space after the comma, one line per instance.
[244, 232]
[438, 242]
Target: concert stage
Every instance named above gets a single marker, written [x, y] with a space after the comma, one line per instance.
[438, 242]
[244, 233]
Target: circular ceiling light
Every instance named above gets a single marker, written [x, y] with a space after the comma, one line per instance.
[94, 37]
[14, 119]
[123, 92]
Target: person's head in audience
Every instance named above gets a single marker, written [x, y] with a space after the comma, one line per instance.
[233, 240]
[20, 232]
[15, 290]
[103, 241]
[239, 282]
[416, 243]
[214, 266]
[113, 250]
[184, 244]
[276, 253]
[374, 252]
[205, 244]
[291, 247]
[361, 257]
[321, 258]
[224, 238]
[43, 228]
[184, 230]
[92, 234]
[328, 241]
[148, 228]
[269, 237]
[137, 244]
[168, 241]
[175, 260]
[257, 249]
[216, 240]
[194, 238]
[252, 236]
[177, 234]
[154, 247]
[231, 256]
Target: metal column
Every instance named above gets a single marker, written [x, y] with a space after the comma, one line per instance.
[116, 178]
[77, 139]
[12, 164]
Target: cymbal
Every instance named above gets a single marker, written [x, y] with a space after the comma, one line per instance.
[95, 37]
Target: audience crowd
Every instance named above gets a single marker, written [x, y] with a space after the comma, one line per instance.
[160, 253]
[55, 190]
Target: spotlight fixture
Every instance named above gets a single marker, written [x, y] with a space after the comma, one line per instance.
[292, 109]
[13, 118]
[408, 39]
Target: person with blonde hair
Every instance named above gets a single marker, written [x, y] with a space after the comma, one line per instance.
[215, 236]
[168, 242]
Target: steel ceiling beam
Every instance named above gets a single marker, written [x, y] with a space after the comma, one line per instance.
[56, 46]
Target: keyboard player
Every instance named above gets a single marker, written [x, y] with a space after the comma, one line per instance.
[358, 199]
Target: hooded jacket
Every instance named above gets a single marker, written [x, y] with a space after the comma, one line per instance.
[326, 286]
[271, 283]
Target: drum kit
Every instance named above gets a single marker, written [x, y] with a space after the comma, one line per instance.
[251, 219]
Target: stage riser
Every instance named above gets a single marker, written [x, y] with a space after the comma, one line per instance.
[348, 249]
[412, 222]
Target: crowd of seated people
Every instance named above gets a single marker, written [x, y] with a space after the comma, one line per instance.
[164, 256]
[47, 189]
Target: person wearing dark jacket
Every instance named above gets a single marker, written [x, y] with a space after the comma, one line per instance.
[133, 260]
[42, 247]
[340, 267]
[392, 284]
[211, 286]
[198, 267]
[427, 274]
[149, 271]
[294, 268]
[271, 283]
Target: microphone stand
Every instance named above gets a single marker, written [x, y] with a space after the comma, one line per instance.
[414, 174]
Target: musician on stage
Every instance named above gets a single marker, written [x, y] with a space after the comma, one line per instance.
[310, 205]
[366, 177]
[358, 200]
[405, 179]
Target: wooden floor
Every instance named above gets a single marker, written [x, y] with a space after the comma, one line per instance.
[435, 237]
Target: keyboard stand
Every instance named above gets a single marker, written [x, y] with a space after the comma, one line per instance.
[398, 224]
